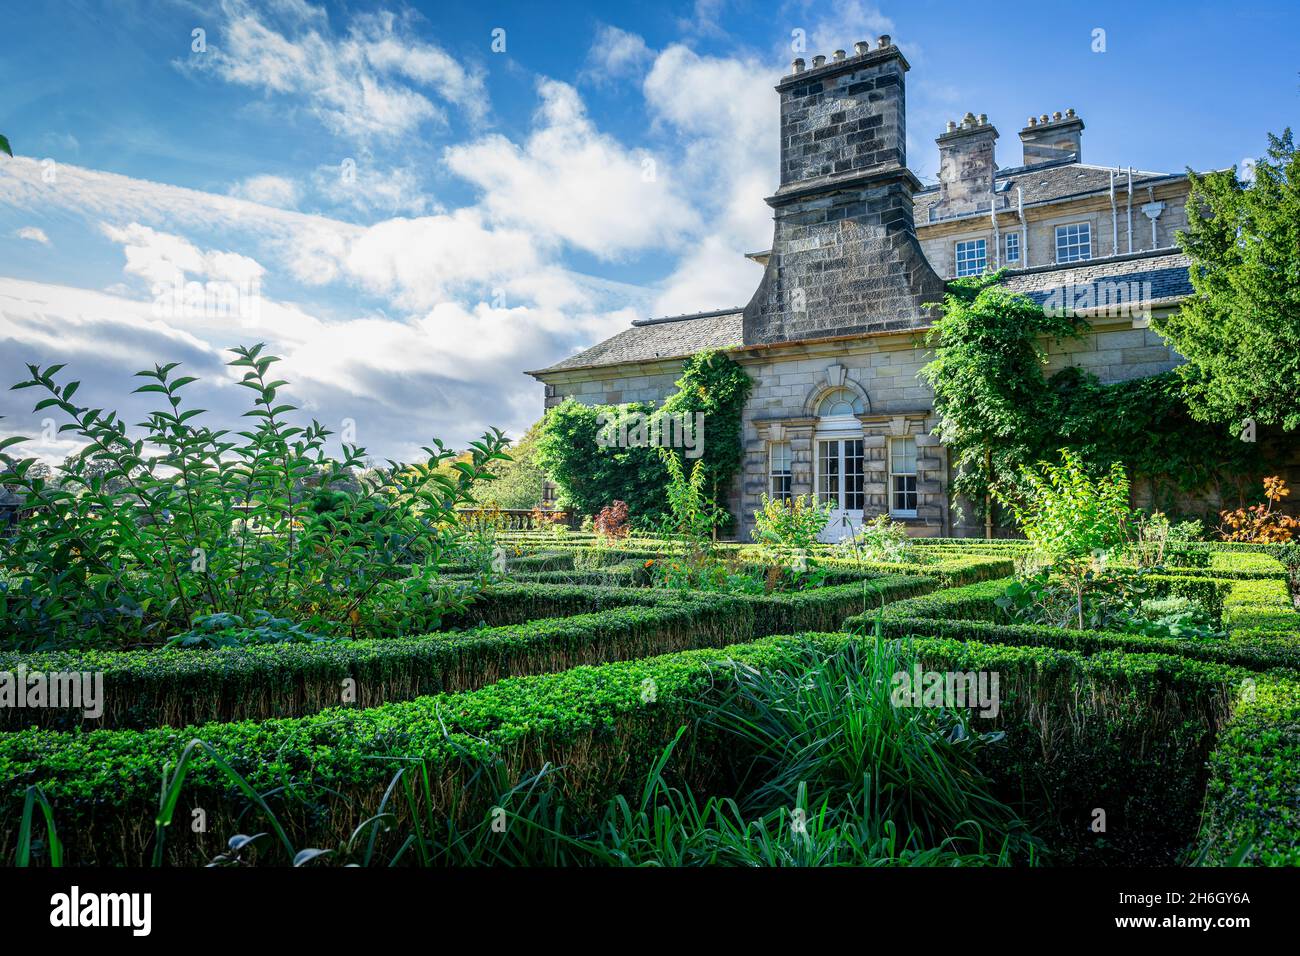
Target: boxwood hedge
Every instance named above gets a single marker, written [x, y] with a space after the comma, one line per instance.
[1125, 732]
[174, 687]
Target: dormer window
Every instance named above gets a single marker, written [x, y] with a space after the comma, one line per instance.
[972, 257]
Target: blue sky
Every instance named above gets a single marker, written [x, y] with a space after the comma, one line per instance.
[412, 218]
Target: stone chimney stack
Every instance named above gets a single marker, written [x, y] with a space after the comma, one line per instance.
[1048, 138]
[845, 258]
[966, 167]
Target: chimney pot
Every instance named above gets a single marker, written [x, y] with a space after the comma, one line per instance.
[861, 48]
[839, 55]
[984, 119]
[1070, 112]
[797, 66]
[819, 60]
[952, 125]
[1033, 121]
[883, 41]
[1053, 138]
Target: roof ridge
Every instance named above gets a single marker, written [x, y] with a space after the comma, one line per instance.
[688, 316]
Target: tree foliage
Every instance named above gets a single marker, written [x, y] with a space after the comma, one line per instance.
[1239, 332]
[517, 483]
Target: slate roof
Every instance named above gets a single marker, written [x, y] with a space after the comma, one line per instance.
[1165, 270]
[1047, 182]
[648, 339]
[683, 335]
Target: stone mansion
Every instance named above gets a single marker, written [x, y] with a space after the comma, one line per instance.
[833, 336]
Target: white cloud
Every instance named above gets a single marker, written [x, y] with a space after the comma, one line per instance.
[419, 262]
[157, 257]
[268, 190]
[366, 84]
[725, 113]
[616, 54]
[370, 190]
[449, 371]
[573, 183]
[843, 23]
[33, 234]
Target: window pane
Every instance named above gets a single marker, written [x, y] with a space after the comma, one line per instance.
[972, 256]
[854, 499]
[902, 471]
[1073, 242]
[828, 473]
[779, 458]
[1013, 247]
[842, 401]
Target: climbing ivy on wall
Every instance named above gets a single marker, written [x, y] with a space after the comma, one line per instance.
[590, 476]
[998, 409]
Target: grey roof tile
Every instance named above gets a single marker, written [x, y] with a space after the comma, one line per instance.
[680, 336]
[1165, 270]
[650, 339]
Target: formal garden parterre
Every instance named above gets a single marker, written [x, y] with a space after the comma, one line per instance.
[233, 648]
[556, 700]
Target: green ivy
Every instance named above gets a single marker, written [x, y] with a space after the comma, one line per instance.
[999, 410]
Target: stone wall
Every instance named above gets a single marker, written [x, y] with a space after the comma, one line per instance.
[938, 240]
[881, 369]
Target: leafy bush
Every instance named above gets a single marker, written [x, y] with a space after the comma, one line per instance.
[881, 539]
[211, 631]
[1161, 542]
[1074, 520]
[590, 476]
[212, 522]
[612, 522]
[1261, 522]
[790, 528]
[1175, 617]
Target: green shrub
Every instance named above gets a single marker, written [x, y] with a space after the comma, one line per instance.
[143, 534]
[178, 687]
[1129, 733]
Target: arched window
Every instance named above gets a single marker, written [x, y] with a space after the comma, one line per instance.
[838, 403]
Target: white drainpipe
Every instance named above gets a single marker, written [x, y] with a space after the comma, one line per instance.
[1130, 209]
[1114, 217]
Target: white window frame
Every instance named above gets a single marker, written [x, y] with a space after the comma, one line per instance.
[982, 258]
[1081, 240]
[1007, 257]
[780, 480]
[908, 487]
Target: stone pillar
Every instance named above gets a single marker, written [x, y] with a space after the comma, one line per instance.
[875, 468]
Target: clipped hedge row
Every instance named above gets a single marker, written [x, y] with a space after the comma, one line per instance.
[1127, 732]
[1253, 797]
[523, 601]
[1260, 605]
[970, 614]
[177, 687]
